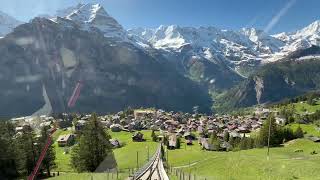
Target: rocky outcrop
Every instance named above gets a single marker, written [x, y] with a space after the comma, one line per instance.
[258, 87]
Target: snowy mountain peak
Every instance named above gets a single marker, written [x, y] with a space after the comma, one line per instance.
[312, 29]
[87, 13]
[7, 23]
[253, 34]
[90, 16]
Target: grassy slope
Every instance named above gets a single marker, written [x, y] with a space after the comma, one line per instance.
[62, 160]
[125, 156]
[251, 164]
[308, 128]
[284, 163]
[309, 108]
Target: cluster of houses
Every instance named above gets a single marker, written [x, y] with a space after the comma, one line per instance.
[171, 124]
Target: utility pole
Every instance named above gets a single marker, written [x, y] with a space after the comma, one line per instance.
[137, 160]
[269, 138]
[148, 153]
[167, 156]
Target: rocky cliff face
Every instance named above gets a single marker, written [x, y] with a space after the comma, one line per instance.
[49, 66]
[296, 74]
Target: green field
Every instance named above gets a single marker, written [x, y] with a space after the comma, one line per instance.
[302, 107]
[310, 129]
[126, 156]
[283, 163]
[62, 160]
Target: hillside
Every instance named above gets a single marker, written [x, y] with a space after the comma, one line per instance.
[275, 81]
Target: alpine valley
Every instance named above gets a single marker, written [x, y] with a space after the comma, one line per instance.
[81, 59]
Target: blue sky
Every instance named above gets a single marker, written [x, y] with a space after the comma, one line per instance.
[271, 15]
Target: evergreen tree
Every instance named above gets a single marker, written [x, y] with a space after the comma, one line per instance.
[288, 134]
[226, 136]
[213, 137]
[93, 147]
[178, 143]
[298, 133]
[27, 152]
[8, 168]
[276, 136]
[154, 136]
[214, 140]
[231, 141]
[49, 160]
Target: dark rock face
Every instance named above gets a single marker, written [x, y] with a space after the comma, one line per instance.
[84, 72]
[275, 81]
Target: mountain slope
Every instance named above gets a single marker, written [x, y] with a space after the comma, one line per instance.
[273, 82]
[47, 64]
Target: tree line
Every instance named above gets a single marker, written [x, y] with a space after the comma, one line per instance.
[19, 152]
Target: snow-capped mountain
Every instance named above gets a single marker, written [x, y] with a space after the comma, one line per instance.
[236, 48]
[247, 46]
[7, 23]
[90, 17]
[300, 39]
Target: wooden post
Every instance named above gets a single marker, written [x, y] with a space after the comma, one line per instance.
[148, 154]
[117, 174]
[137, 159]
[269, 138]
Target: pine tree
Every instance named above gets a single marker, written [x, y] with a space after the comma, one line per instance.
[49, 160]
[178, 143]
[213, 137]
[276, 136]
[154, 136]
[26, 151]
[214, 140]
[93, 147]
[226, 136]
[298, 133]
[8, 168]
[288, 134]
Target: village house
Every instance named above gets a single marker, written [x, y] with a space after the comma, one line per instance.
[172, 141]
[137, 137]
[115, 143]
[141, 113]
[65, 140]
